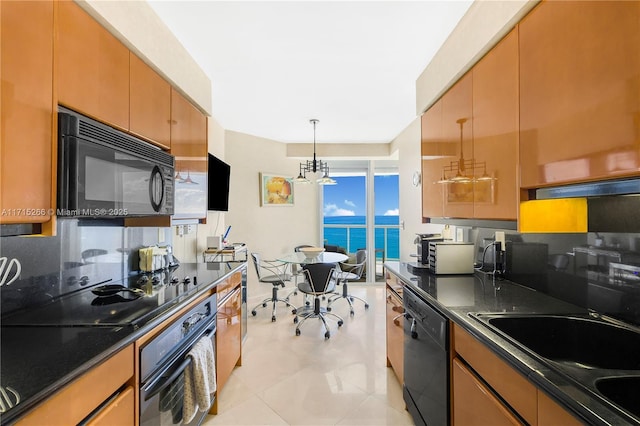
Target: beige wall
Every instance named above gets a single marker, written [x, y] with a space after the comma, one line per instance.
[268, 230]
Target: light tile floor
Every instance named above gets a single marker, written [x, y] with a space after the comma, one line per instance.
[306, 380]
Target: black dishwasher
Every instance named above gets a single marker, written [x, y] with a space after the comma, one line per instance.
[426, 361]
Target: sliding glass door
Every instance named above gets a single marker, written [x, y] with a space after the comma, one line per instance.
[363, 206]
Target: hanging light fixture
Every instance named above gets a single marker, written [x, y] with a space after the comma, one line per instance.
[315, 166]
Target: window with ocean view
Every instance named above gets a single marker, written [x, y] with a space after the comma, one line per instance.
[344, 213]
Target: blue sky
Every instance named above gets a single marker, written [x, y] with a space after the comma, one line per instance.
[348, 197]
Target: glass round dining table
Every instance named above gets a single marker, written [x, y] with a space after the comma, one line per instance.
[324, 257]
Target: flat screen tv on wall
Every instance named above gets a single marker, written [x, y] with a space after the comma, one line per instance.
[218, 185]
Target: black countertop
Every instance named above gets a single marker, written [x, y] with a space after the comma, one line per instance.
[456, 296]
[38, 361]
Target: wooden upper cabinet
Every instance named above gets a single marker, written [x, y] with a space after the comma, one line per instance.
[27, 111]
[457, 133]
[188, 131]
[93, 68]
[495, 131]
[150, 103]
[189, 146]
[433, 149]
[579, 92]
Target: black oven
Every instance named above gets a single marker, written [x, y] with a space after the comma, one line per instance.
[163, 361]
[426, 361]
[103, 172]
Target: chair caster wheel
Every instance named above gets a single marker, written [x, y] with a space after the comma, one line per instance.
[295, 320]
[307, 303]
[297, 332]
[340, 323]
[352, 313]
[294, 311]
[366, 306]
[327, 335]
[254, 313]
[328, 308]
[273, 318]
[264, 305]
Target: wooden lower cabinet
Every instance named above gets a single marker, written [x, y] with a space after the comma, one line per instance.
[118, 411]
[395, 334]
[474, 403]
[228, 339]
[552, 414]
[76, 401]
[487, 390]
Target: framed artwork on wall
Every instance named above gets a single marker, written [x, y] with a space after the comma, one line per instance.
[275, 190]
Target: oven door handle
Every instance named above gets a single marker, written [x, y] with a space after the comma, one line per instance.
[154, 388]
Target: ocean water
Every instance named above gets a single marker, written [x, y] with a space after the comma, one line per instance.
[355, 238]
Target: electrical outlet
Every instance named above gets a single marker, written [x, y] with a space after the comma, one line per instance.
[161, 236]
[460, 234]
[500, 239]
[190, 229]
[180, 230]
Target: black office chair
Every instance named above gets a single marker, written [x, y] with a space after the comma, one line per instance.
[320, 279]
[350, 272]
[296, 272]
[277, 277]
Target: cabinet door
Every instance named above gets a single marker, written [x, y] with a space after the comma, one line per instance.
[150, 103]
[119, 411]
[395, 335]
[474, 403]
[550, 413]
[26, 180]
[228, 339]
[457, 132]
[435, 154]
[495, 132]
[189, 146]
[510, 384]
[93, 67]
[579, 92]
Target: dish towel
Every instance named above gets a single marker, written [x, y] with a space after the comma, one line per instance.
[199, 379]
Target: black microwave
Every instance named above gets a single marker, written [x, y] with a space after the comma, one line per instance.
[103, 172]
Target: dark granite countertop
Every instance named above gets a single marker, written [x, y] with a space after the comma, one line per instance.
[456, 296]
[38, 361]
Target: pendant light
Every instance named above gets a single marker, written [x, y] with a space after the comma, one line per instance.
[315, 166]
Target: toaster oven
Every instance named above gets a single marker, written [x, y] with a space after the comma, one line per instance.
[449, 257]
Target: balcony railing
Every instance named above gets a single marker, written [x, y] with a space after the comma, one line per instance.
[354, 237]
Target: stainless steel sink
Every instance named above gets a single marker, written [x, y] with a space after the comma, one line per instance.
[601, 356]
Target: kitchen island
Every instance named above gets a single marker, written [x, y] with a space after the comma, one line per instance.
[458, 297]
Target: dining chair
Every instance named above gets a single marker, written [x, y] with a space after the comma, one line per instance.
[275, 273]
[350, 272]
[320, 279]
[296, 272]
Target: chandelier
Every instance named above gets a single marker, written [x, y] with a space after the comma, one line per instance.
[465, 170]
[315, 166]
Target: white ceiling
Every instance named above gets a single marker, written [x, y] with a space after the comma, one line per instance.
[275, 65]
